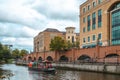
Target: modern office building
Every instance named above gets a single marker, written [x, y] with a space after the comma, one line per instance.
[99, 23]
[43, 39]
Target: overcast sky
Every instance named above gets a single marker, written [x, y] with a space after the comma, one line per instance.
[21, 20]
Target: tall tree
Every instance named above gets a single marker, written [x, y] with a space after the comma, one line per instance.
[6, 53]
[57, 44]
[77, 44]
[23, 52]
[69, 45]
[15, 53]
[1, 51]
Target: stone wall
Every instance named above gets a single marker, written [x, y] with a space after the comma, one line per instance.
[115, 69]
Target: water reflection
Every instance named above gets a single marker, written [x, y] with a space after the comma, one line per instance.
[22, 73]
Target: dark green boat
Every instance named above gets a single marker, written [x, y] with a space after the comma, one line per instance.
[44, 66]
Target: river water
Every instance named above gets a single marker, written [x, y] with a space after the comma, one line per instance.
[22, 73]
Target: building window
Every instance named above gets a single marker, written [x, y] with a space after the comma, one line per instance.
[99, 18]
[100, 36]
[84, 40]
[83, 10]
[88, 38]
[94, 4]
[99, 1]
[72, 39]
[84, 29]
[68, 37]
[116, 26]
[84, 20]
[93, 21]
[88, 7]
[93, 38]
[88, 23]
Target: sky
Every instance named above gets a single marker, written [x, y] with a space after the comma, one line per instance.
[22, 20]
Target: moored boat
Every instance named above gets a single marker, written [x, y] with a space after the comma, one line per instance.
[44, 66]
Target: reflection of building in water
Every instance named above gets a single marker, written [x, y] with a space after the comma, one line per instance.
[43, 39]
[99, 19]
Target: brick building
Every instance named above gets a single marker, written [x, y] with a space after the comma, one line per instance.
[43, 39]
[99, 22]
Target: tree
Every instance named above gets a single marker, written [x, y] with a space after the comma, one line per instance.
[69, 45]
[15, 53]
[77, 44]
[57, 44]
[1, 51]
[23, 52]
[4, 53]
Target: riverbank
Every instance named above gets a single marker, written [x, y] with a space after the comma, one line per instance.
[102, 68]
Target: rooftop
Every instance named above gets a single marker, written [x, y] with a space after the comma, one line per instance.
[51, 30]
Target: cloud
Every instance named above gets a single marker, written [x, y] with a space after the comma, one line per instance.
[21, 20]
[15, 30]
[21, 43]
[22, 15]
[57, 9]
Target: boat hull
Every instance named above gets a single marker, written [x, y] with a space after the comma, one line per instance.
[48, 70]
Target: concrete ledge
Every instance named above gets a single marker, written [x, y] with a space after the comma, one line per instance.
[114, 69]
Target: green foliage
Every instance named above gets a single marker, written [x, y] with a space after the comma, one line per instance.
[57, 44]
[77, 44]
[23, 52]
[4, 53]
[69, 45]
[7, 54]
[72, 45]
[16, 53]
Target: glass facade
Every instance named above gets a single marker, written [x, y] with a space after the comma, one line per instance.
[116, 26]
[93, 21]
[99, 18]
[88, 23]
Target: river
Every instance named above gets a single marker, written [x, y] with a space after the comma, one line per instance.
[22, 73]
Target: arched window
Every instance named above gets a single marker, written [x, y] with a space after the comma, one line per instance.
[84, 57]
[49, 58]
[63, 58]
[40, 59]
[111, 55]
